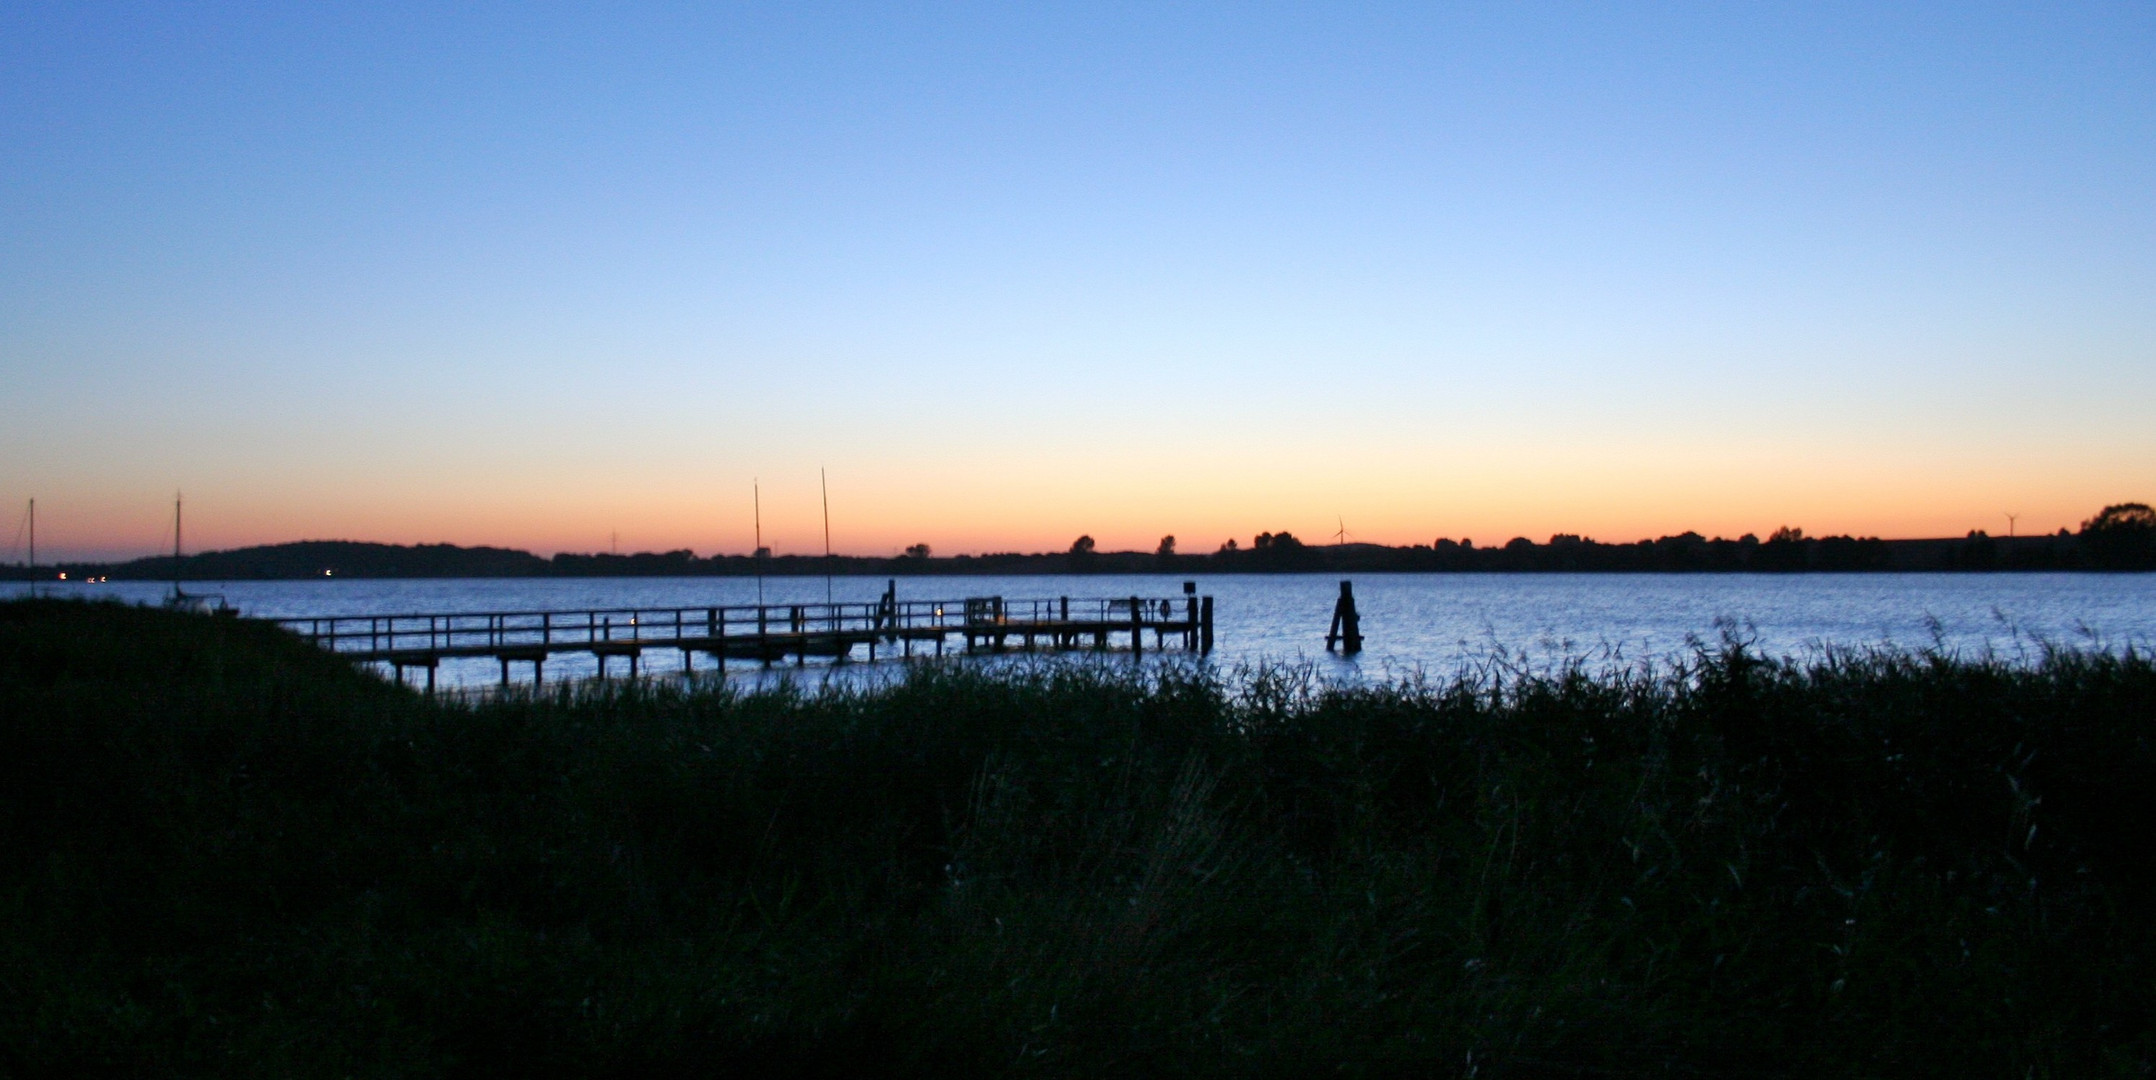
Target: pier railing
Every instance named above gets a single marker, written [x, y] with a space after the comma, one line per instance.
[755, 630]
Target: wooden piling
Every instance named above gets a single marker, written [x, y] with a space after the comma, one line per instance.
[1346, 628]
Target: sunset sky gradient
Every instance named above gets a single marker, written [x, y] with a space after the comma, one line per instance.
[532, 275]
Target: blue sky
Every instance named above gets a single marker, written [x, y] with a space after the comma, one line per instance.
[533, 275]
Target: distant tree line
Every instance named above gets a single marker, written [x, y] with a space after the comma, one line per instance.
[2121, 537]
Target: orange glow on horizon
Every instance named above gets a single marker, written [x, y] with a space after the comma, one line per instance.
[1400, 490]
[876, 528]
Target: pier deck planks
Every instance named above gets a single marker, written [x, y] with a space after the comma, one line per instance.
[766, 633]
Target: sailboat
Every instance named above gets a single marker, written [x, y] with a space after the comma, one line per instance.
[180, 600]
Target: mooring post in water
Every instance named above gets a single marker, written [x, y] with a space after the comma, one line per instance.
[1137, 628]
[1190, 616]
[1347, 625]
[1205, 627]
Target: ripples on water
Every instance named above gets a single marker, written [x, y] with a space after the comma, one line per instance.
[1430, 624]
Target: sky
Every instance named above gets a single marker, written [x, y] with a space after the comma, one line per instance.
[565, 277]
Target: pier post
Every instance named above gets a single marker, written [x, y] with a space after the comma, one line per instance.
[1137, 628]
[1205, 629]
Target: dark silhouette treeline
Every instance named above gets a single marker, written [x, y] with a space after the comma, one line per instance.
[2122, 537]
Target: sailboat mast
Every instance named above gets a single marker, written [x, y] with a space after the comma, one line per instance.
[756, 488]
[175, 543]
[33, 539]
[826, 482]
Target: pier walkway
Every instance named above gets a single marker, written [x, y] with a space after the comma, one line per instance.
[765, 633]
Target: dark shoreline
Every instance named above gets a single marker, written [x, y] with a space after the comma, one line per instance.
[1687, 553]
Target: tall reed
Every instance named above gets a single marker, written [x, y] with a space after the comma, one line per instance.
[225, 852]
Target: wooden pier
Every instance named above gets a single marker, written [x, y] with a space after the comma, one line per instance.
[767, 634]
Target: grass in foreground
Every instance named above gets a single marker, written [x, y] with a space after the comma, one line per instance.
[225, 853]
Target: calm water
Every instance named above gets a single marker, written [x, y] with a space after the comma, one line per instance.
[1429, 622]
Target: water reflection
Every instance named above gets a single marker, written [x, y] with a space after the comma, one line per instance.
[1433, 624]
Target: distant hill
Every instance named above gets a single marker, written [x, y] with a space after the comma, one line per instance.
[338, 558]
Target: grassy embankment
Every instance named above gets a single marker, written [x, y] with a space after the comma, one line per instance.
[225, 853]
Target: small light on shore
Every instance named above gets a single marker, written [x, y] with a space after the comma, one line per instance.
[329, 573]
[63, 575]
